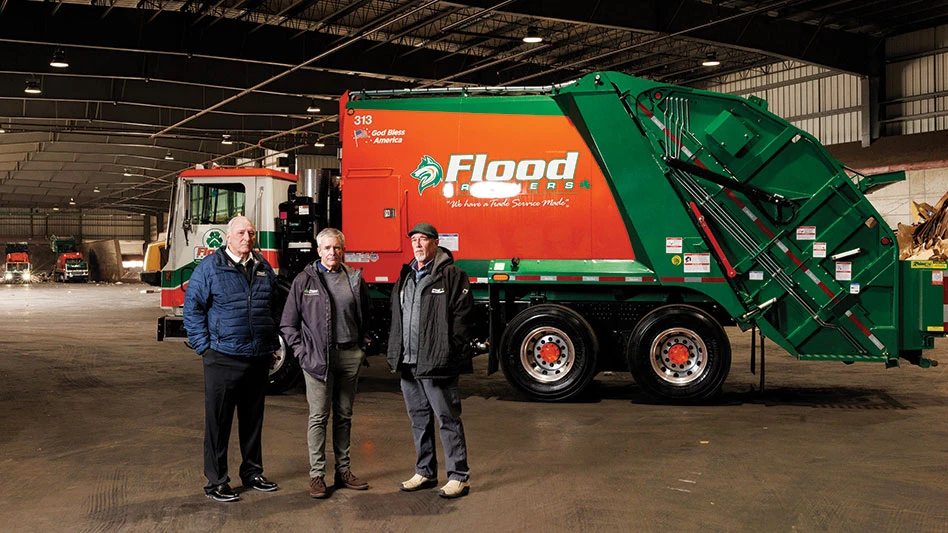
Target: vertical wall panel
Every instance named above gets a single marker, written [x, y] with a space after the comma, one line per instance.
[826, 105]
[316, 162]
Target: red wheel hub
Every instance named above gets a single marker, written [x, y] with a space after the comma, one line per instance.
[678, 354]
[549, 352]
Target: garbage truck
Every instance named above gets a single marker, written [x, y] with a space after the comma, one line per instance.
[17, 267]
[70, 265]
[613, 223]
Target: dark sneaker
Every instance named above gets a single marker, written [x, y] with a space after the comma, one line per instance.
[349, 480]
[222, 493]
[317, 488]
[258, 482]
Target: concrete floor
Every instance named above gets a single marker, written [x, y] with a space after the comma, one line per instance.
[102, 429]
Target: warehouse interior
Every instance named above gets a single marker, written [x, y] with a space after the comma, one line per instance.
[103, 103]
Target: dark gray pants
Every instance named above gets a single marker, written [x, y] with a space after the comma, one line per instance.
[426, 399]
[337, 393]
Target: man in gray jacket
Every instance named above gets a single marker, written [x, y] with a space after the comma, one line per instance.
[429, 344]
[324, 321]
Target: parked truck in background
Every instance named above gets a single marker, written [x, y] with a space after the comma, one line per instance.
[70, 265]
[17, 267]
[609, 223]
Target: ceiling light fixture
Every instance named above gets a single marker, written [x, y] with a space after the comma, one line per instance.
[312, 108]
[55, 209]
[532, 36]
[72, 201]
[710, 60]
[168, 156]
[96, 189]
[227, 140]
[319, 144]
[59, 59]
[127, 173]
[2, 130]
[32, 86]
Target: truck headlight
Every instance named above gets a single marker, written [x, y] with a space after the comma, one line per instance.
[9, 275]
[26, 276]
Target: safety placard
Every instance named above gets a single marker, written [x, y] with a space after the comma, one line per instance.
[806, 233]
[756, 275]
[672, 245]
[697, 263]
[819, 249]
[844, 271]
[938, 277]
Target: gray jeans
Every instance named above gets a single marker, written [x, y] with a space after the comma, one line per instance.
[337, 392]
[427, 399]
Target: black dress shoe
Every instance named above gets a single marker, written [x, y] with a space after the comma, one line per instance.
[260, 483]
[222, 493]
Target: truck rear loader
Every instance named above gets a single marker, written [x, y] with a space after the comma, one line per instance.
[615, 223]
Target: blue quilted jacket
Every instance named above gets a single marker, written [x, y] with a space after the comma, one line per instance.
[224, 312]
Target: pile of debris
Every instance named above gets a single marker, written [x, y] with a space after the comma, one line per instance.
[928, 237]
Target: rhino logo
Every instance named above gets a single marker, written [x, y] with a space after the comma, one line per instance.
[428, 173]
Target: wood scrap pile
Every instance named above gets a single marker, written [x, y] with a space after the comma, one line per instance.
[928, 237]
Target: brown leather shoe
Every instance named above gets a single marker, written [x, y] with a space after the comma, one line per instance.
[317, 488]
[349, 480]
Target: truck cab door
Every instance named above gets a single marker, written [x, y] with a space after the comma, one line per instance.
[201, 210]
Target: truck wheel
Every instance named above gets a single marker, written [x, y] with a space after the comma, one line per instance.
[679, 353]
[285, 370]
[549, 352]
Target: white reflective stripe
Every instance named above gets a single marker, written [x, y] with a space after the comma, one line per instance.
[693, 280]
[547, 278]
[849, 313]
[658, 122]
[944, 313]
[749, 213]
[876, 342]
[627, 278]
[782, 246]
[590, 278]
[812, 276]
[381, 278]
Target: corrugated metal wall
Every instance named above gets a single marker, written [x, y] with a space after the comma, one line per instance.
[34, 224]
[316, 162]
[916, 82]
[826, 104]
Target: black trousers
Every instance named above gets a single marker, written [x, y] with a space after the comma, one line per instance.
[233, 382]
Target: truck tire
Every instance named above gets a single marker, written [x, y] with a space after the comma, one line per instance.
[679, 353]
[285, 371]
[549, 352]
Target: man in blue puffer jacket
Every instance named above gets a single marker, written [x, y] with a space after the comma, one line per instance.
[232, 322]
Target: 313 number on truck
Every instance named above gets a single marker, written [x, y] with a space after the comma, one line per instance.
[607, 224]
